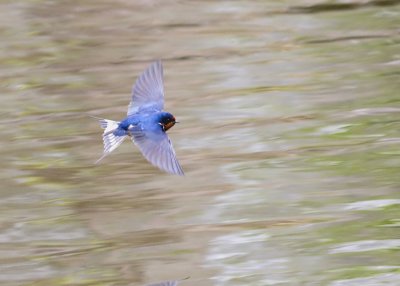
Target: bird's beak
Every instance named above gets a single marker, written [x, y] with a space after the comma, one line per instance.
[177, 122]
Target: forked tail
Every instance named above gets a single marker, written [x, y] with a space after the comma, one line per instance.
[110, 141]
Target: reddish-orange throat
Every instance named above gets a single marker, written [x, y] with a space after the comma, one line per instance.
[168, 125]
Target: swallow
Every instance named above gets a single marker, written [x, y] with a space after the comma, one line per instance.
[146, 123]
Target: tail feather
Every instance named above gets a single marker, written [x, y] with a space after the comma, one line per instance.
[110, 141]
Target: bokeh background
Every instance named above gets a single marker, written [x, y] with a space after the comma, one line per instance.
[289, 138]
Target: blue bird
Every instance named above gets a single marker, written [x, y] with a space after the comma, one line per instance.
[146, 123]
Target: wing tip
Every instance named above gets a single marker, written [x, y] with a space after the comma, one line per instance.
[158, 65]
[178, 171]
[181, 172]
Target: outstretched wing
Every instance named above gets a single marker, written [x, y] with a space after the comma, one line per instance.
[157, 148]
[148, 91]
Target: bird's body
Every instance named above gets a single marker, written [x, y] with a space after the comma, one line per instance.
[146, 123]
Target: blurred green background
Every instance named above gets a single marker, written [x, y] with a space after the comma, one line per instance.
[289, 138]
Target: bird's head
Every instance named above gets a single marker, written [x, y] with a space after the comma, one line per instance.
[167, 120]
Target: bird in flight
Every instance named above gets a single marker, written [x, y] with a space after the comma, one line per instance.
[146, 123]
